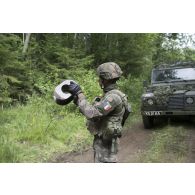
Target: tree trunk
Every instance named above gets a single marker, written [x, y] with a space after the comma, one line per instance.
[26, 43]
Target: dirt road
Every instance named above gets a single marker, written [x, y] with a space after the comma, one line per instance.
[133, 142]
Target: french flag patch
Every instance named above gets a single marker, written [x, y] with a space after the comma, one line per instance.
[107, 106]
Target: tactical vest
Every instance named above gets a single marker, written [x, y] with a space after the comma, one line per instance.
[110, 126]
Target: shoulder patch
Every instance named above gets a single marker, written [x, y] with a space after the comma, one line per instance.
[107, 106]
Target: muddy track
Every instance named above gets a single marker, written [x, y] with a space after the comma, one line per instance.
[133, 142]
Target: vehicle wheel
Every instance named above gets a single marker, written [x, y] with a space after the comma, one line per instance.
[148, 121]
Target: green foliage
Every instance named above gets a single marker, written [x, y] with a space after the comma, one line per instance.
[189, 54]
[53, 57]
[132, 51]
[173, 47]
[88, 81]
[14, 80]
[52, 60]
[133, 87]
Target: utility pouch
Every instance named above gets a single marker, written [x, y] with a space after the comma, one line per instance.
[112, 128]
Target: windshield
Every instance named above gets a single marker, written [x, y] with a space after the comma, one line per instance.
[179, 74]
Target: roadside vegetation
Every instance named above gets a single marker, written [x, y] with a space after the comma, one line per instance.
[168, 145]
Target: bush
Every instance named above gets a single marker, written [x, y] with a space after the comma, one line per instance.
[133, 87]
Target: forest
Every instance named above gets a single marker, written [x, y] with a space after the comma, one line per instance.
[33, 127]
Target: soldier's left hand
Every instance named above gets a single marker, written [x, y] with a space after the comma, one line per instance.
[74, 88]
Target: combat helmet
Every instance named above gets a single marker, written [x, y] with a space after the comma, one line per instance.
[109, 70]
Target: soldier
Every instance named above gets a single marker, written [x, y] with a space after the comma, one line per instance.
[106, 116]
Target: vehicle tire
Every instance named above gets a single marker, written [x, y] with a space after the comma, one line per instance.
[148, 122]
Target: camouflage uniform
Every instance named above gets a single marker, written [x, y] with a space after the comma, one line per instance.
[104, 119]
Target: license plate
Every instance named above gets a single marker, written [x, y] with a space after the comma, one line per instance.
[152, 113]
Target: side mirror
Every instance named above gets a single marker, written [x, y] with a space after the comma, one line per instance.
[145, 84]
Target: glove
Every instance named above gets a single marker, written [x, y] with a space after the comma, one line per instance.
[74, 88]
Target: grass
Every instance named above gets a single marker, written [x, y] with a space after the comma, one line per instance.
[32, 133]
[168, 145]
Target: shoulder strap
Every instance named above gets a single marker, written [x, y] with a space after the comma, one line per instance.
[120, 94]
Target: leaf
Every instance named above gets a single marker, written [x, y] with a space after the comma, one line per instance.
[12, 79]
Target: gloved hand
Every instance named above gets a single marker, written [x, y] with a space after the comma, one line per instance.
[74, 88]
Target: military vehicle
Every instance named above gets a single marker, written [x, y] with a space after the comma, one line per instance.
[171, 92]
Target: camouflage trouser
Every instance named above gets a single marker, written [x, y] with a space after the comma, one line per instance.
[105, 151]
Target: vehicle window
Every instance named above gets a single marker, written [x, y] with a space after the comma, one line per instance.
[178, 74]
